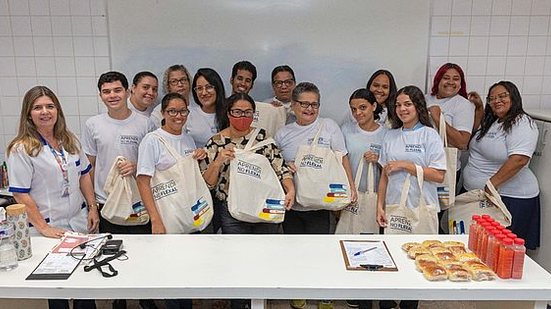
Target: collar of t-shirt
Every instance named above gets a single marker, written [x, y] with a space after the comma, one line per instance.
[418, 125]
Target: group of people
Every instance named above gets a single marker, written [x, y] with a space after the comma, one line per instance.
[61, 179]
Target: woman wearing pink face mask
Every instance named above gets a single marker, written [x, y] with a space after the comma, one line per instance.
[220, 151]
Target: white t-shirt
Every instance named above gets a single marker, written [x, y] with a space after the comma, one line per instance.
[358, 142]
[458, 112]
[200, 126]
[421, 146]
[291, 136]
[147, 112]
[41, 177]
[489, 153]
[153, 154]
[156, 116]
[106, 138]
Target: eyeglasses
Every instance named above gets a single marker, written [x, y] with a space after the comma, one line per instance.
[207, 88]
[502, 96]
[305, 105]
[238, 113]
[174, 112]
[174, 82]
[287, 82]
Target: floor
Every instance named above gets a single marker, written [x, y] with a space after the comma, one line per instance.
[276, 304]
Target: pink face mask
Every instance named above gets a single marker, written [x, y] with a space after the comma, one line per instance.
[241, 123]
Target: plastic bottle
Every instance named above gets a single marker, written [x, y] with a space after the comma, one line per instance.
[518, 258]
[484, 249]
[497, 245]
[473, 232]
[481, 233]
[493, 248]
[505, 260]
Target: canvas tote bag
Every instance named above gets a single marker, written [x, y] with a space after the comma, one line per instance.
[477, 202]
[320, 179]
[446, 190]
[181, 195]
[360, 217]
[123, 205]
[270, 118]
[255, 194]
[420, 220]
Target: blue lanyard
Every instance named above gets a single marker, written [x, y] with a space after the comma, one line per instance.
[59, 157]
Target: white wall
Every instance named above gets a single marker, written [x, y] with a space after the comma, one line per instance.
[64, 44]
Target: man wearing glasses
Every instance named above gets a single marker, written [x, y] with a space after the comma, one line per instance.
[283, 83]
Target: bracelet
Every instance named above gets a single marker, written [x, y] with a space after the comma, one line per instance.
[94, 205]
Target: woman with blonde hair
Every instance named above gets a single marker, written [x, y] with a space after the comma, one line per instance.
[49, 173]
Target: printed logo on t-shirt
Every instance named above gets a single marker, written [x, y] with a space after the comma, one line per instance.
[311, 161]
[491, 134]
[417, 148]
[256, 116]
[129, 140]
[321, 141]
[248, 169]
[376, 148]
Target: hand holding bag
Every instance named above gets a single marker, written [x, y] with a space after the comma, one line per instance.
[422, 219]
[123, 205]
[320, 179]
[181, 195]
[477, 202]
[255, 194]
[361, 217]
[446, 191]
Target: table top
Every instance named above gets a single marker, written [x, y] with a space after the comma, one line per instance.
[260, 267]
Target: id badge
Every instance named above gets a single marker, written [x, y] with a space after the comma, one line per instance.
[65, 188]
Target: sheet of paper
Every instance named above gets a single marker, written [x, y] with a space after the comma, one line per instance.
[56, 263]
[372, 253]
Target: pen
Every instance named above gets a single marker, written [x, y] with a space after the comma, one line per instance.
[364, 251]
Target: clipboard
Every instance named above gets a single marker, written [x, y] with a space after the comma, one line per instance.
[54, 266]
[367, 255]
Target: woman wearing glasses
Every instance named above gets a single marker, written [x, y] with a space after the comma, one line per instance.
[49, 173]
[175, 79]
[500, 151]
[208, 115]
[220, 151]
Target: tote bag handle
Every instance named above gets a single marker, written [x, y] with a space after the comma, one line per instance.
[370, 175]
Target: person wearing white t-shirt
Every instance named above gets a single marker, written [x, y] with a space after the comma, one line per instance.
[176, 78]
[500, 152]
[50, 174]
[383, 86]
[143, 93]
[118, 132]
[449, 96]
[412, 141]
[283, 84]
[207, 115]
[364, 139]
[154, 157]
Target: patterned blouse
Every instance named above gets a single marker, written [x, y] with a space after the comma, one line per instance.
[219, 142]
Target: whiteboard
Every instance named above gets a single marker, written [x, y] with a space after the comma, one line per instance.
[335, 44]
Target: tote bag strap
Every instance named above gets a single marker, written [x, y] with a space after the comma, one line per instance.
[370, 176]
[318, 133]
[169, 147]
[442, 129]
[495, 198]
[112, 175]
[261, 144]
[420, 181]
[405, 191]
[252, 139]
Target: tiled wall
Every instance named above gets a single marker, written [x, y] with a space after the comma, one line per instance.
[62, 44]
[494, 40]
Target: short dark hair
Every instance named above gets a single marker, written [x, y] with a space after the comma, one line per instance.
[305, 87]
[111, 77]
[244, 65]
[169, 97]
[216, 81]
[367, 95]
[138, 77]
[282, 68]
[418, 99]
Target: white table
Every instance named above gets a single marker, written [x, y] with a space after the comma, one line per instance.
[261, 267]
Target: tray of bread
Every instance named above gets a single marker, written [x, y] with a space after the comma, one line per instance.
[448, 260]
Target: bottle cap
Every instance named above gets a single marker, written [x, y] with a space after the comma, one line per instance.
[496, 224]
[505, 231]
[474, 217]
[501, 236]
[511, 235]
[519, 241]
[15, 209]
[507, 241]
[486, 217]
